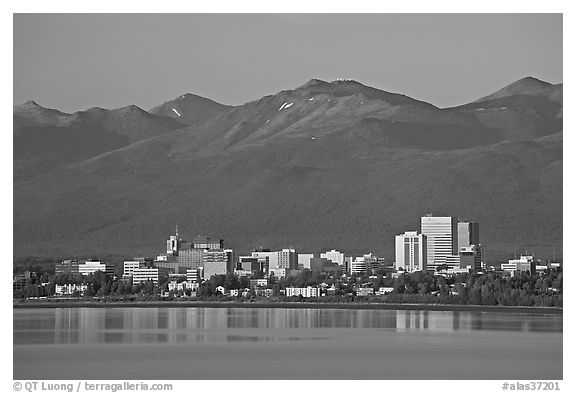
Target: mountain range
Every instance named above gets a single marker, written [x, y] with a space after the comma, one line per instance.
[327, 164]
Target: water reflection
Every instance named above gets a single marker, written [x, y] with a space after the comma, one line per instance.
[201, 325]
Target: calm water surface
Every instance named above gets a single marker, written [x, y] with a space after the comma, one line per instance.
[276, 343]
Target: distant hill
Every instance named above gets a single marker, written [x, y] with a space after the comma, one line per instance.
[47, 139]
[528, 86]
[526, 109]
[327, 164]
[190, 109]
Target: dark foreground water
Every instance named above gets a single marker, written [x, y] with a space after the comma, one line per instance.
[276, 343]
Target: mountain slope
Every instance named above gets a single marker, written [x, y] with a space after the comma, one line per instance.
[324, 165]
[32, 114]
[524, 110]
[131, 121]
[529, 86]
[47, 139]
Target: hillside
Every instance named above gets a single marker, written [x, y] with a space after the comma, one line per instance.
[324, 165]
[47, 139]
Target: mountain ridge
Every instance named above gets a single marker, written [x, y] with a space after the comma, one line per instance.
[319, 166]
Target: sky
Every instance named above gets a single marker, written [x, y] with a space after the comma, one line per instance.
[77, 61]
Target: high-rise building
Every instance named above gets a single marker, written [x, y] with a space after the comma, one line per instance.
[217, 261]
[191, 258]
[441, 239]
[468, 234]
[471, 257]
[174, 243]
[469, 244]
[201, 241]
[287, 259]
[411, 252]
[334, 256]
[304, 260]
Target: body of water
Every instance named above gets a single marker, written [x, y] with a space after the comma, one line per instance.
[283, 343]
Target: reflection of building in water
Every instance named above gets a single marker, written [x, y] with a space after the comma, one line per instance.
[436, 320]
[200, 325]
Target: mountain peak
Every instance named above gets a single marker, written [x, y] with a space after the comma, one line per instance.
[131, 109]
[529, 81]
[344, 80]
[31, 103]
[189, 108]
[528, 85]
[313, 83]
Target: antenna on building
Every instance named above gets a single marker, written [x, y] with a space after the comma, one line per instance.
[176, 230]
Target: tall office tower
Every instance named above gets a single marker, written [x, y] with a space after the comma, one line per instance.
[411, 252]
[468, 234]
[191, 258]
[287, 259]
[469, 241]
[174, 243]
[268, 259]
[441, 239]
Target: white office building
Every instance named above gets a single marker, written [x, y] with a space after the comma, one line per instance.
[92, 266]
[441, 239]
[524, 264]
[358, 265]
[334, 256]
[143, 274]
[304, 260]
[286, 259]
[411, 252]
[129, 267]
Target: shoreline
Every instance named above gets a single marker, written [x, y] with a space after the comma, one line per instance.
[310, 305]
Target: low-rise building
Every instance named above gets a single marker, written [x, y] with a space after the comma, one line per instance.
[129, 267]
[70, 289]
[143, 274]
[263, 292]
[304, 292]
[364, 291]
[93, 266]
[258, 283]
[178, 286]
[234, 292]
[67, 267]
[384, 290]
[524, 264]
[279, 272]
[193, 275]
